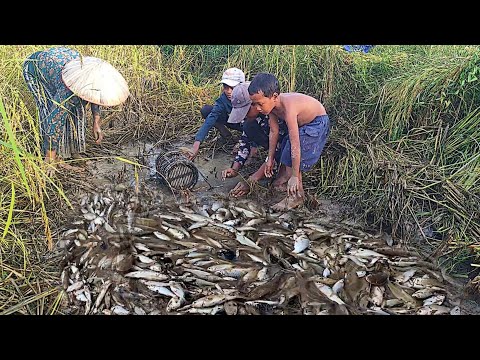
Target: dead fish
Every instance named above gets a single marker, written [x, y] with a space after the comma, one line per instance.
[455, 311]
[208, 240]
[393, 302]
[434, 300]
[169, 217]
[103, 291]
[420, 283]
[109, 228]
[407, 275]
[257, 259]
[90, 216]
[105, 262]
[147, 275]
[68, 232]
[203, 275]
[139, 311]
[301, 243]
[162, 290]
[400, 294]
[254, 222]
[242, 239]
[212, 300]
[141, 247]
[338, 286]
[119, 310]
[377, 310]
[250, 276]
[245, 212]
[216, 205]
[219, 267]
[232, 274]
[197, 225]
[185, 209]
[156, 267]
[176, 231]
[75, 286]
[206, 311]
[162, 236]
[144, 259]
[365, 253]
[177, 289]
[328, 292]
[423, 293]
[262, 274]
[376, 295]
[232, 222]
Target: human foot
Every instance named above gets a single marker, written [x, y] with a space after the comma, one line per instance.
[290, 202]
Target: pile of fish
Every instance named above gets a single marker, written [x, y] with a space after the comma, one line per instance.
[129, 253]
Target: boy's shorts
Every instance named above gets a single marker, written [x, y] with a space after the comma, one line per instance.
[313, 137]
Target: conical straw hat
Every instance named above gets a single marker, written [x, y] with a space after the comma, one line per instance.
[96, 81]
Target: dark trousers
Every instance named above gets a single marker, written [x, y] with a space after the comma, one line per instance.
[220, 126]
[256, 133]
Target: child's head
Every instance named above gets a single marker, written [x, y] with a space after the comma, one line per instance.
[241, 104]
[231, 78]
[264, 91]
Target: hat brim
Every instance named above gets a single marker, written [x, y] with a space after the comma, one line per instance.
[231, 83]
[96, 81]
[238, 114]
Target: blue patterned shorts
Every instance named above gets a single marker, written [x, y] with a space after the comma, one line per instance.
[313, 137]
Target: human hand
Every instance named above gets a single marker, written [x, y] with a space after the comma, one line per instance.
[192, 154]
[268, 167]
[292, 186]
[228, 173]
[97, 133]
[242, 188]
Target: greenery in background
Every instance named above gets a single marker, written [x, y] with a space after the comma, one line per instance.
[404, 148]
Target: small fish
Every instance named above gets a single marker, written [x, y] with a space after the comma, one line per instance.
[75, 286]
[328, 292]
[301, 243]
[257, 259]
[147, 275]
[242, 239]
[90, 216]
[120, 310]
[162, 236]
[177, 289]
[211, 300]
[175, 303]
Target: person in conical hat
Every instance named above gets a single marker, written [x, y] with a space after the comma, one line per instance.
[62, 113]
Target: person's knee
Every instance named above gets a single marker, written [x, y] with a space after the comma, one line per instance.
[205, 110]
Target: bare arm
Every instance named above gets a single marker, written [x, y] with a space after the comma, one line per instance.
[292, 124]
[272, 144]
[273, 136]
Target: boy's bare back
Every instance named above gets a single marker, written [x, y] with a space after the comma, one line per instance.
[304, 107]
